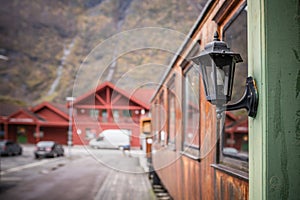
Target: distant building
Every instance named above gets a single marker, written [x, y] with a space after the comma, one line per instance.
[109, 107]
[6, 109]
[106, 107]
[47, 121]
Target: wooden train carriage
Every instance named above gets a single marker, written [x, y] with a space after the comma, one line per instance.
[192, 154]
[186, 150]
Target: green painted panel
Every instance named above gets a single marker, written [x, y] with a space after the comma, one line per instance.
[282, 67]
[257, 126]
[274, 32]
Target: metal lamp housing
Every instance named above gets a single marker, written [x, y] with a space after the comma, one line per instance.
[217, 65]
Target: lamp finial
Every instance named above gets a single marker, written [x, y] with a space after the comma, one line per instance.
[216, 36]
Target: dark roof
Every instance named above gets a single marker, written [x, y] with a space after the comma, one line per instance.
[57, 108]
[27, 112]
[34, 115]
[61, 107]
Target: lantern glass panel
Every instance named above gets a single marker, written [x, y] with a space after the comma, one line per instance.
[224, 75]
[229, 71]
[226, 70]
[221, 83]
[206, 66]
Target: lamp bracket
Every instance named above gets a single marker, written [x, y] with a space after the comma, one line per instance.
[249, 101]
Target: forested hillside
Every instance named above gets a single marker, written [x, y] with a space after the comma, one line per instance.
[44, 43]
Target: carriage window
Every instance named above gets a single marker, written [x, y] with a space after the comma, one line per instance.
[171, 115]
[191, 113]
[159, 122]
[235, 139]
[162, 119]
[155, 122]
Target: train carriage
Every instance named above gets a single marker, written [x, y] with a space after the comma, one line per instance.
[200, 151]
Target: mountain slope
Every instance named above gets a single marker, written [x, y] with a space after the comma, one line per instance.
[46, 42]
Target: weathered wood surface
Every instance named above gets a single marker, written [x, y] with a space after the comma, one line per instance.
[125, 186]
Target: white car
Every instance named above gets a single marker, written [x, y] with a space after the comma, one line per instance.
[112, 139]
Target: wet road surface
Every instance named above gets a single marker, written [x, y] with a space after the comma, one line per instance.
[92, 174]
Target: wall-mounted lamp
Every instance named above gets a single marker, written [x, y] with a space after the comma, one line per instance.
[217, 65]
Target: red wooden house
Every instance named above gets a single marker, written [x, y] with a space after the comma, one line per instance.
[46, 121]
[6, 109]
[2, 123]
[56, 121]
[108, 107]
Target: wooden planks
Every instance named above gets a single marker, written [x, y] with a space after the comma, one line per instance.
[125, 186]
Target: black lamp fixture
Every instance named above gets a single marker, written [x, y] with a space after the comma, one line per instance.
[217, 65]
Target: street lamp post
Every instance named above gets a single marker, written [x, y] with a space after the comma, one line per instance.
[70, 101]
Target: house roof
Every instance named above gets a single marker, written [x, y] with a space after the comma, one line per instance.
[2, 119]
[55, 107]
[32, 116]
[24, 116]
[135, 97]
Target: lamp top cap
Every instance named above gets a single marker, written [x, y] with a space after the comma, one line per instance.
[217, 47]
[216, 36]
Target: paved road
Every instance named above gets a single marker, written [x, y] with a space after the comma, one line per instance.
[94, 174]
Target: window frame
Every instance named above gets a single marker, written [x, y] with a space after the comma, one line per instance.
[103, 115]
[171, 93]
[195, 150]
[162, 125]
[231, 161]
[154, 122]
[156, 131]
[94, 114]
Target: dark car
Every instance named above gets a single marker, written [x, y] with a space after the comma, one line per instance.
[10, 148]
[48, 149]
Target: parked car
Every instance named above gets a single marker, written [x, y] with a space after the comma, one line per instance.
[112, 139]
[48, 149]
[10, 148]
